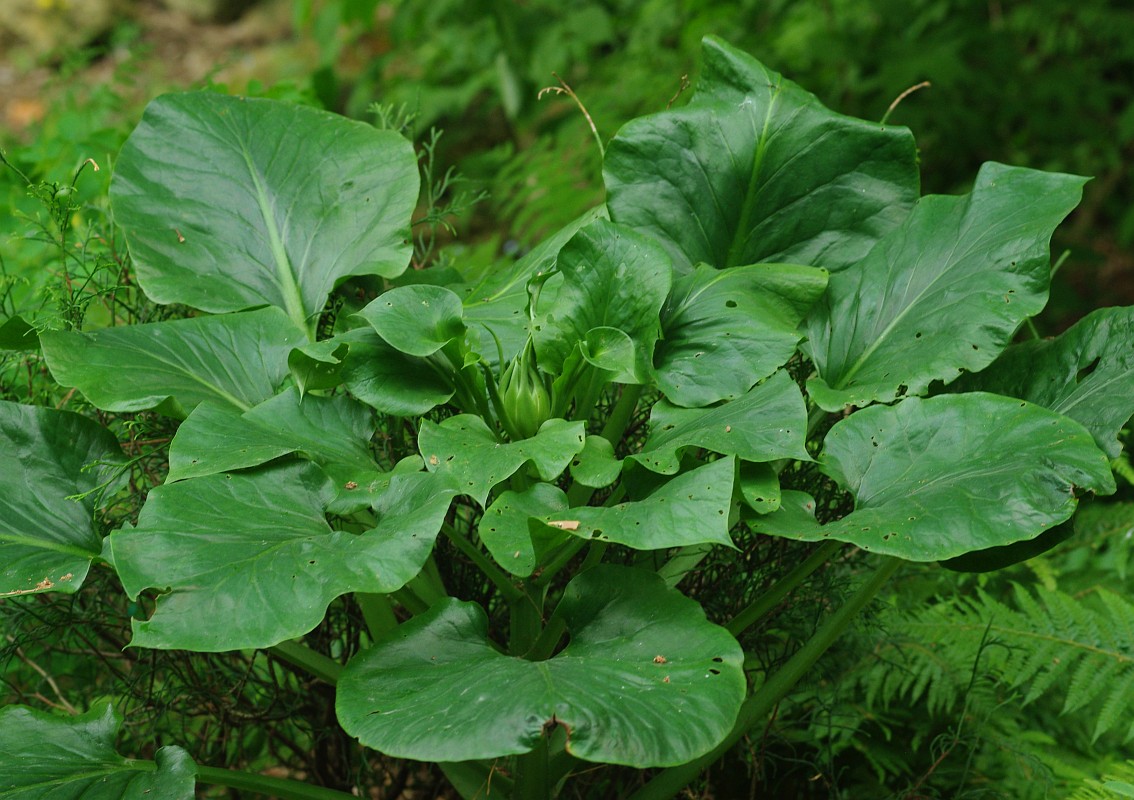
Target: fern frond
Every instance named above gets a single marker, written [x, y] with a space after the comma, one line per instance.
[1040, 642]
[1114, 786]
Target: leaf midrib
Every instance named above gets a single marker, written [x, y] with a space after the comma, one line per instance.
[285, 274]
[739, 236]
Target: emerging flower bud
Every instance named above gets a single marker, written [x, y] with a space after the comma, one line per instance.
[523, 396]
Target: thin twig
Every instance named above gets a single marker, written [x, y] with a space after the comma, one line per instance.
[903, 96]
[563, 88]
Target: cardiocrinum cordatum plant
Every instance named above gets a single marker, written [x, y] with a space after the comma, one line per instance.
[764, 283]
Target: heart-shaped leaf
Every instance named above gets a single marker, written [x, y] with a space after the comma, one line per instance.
[766, 424]
[253, 554]
[646, 680]
[416, 320]
[463, 448]
[723, 330]
[1086, 373]
[937, 478]
[56, 464]
[229, 203]
[612, 278]
[238, 359]
[45, 756]
[390, 381]
[942, 294]
[754, 169]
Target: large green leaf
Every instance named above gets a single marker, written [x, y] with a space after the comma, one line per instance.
[49, 487]
[238, 359]
[613, 278]
[942, 294]
[229, 203]
[1086, 373]
[511, 531]
[645, 681]
[50, 757]
[463, 448]
[248, 560]
[496, 303]
[390, 381]
[723, 330]
[768, 423]
[933, 479]
[218, 438]
[692, 508]
[416, 320]
[754, 169]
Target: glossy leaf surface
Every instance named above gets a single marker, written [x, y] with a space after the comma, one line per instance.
[613, 278]
[645, 680]
[724, 330]
[390, 381]
[464, 449]
[237, 359]
[229, 203]
[249, 559]
[766, 424]
[754, 169]
[50, 757]
[512, 533]
[942, 294]
[933, 479]
[1086, 373]
[416, 320]
[48, 493]
[691, 508]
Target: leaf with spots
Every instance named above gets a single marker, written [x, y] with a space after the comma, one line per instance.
[416, 320]
[646, 681]
[765, 424]
[229, 203]
[754, 169]
[464, 449]
[691, 508]
[1086, 373]
[252, 554]
[725, 329]
[942, 294]
[512, 532]
[937, 478]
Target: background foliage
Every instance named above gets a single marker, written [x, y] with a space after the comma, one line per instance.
[943, 692]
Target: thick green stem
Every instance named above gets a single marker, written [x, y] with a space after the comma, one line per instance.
[622, 413]
[532, 775]
[757, 707]
[499, 579]
[683, 562]
[526, 620]
[782, 588]
[376, 612]
[302, 656]
[476, 780]
[281, 788]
